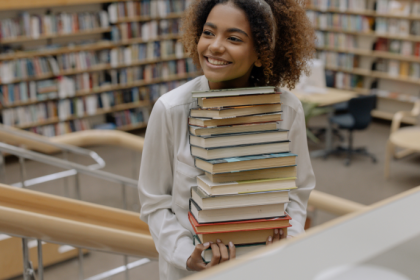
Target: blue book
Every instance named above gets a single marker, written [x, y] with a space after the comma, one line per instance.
[246, 163]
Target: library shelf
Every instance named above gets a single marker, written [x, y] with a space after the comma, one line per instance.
[20, 39]
[129, 127]
[382, 75]
[348, 50]
[116, 108]
[356, 71]
[107, 88]
[95, 68]
[31, 4]
[148, 18]
[88, 47]
[371, 13]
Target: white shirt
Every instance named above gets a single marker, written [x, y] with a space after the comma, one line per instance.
[167, 173]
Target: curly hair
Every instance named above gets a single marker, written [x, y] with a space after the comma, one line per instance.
[294, 41]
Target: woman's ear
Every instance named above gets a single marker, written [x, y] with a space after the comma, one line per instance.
[258, 63]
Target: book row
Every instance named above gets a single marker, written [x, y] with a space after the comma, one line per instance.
[129, 117]
[393, 7]
[25, 68]
[339, 60]
[397, 68]
[66, 88]
[67, 108]
[61, 128]
[35, 26]
[395, 95]
[399, 27]
[343, 80]
[335, 40]
[406, 48]
[341, 5]
[144, 30]
[130, 9]
[341, 21]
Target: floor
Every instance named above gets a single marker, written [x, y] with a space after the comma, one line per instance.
[362, 182]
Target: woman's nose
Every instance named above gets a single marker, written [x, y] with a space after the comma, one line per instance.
[216, 47]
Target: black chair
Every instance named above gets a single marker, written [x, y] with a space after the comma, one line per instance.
[357, 118]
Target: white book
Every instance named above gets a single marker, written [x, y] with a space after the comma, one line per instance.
[127, 55]
[32, 90]
[35, 32]
[105, 100]
[179, 50]
[162, 8]
[404, 27]
[80, 110]
[91, 104]
[394, 68]
[112, 12]
[104, 19]
[406, 48]
[113, 54]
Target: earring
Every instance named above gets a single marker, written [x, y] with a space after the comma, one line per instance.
[258, 63]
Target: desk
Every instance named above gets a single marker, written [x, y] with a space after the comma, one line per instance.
[330, 97]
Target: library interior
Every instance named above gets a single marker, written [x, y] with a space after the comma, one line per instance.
[80, 180]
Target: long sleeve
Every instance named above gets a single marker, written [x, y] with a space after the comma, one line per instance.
[305, 181]
[173, 241]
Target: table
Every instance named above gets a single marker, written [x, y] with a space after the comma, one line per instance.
[325, 97]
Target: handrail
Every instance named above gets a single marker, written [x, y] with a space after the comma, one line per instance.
[333, 204]
[396, 120]
[67, 165]
[57, 219]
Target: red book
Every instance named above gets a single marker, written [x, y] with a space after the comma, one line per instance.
[236, 226]
[417, 49]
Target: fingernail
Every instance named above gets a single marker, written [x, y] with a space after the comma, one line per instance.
[276, 231]
[230, 244]
[218, 240]
[206, 244]
[281, 232]
[270, 238]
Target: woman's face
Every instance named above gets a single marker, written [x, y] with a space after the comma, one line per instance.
[226, 48]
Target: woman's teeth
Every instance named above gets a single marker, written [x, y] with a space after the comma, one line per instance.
[217, 62]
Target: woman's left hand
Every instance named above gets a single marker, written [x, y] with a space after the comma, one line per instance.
[278, 234]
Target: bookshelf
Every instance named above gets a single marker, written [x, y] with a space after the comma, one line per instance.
[88, 63]
[370, 46]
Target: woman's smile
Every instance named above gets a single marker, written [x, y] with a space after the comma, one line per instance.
[216, 62]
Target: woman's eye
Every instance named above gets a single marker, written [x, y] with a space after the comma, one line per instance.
[207, 33]
[234, 39]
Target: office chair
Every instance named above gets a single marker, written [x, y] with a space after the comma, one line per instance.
[357, 118]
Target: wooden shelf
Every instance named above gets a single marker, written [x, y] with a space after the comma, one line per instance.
[31, 4]
[95, 68]
[371, 13]
[381, 54]
[88, 47]
[382, 75]
[120, 107]
[132, 126]
[388, 116]
[148, 18]
[20, 39]
[356, 71]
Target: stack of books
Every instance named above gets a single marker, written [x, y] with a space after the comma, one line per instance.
[236, 139]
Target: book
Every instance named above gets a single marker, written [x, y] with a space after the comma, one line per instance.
[236, 213]
[241, 237]
[240, 150]
[229, 129]
[268, 173]
[245, 138]
[241, 187]
[206, 201]
[205, 122]
[256, 224]
[246, 163]
[241, 100]
[227, 112]
[233, 92]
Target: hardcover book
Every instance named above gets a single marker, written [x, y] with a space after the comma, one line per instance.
[256, 224]
[240, 187]
[240, 150]
[241, 100]
[268, 173]
[236, 213]
[205, 122]
[207, 201]
[246, 163]
[227, 112]
[245, 138]
[230, 129]
[233, 92]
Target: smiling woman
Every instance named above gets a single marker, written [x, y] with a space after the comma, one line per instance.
[237, 43]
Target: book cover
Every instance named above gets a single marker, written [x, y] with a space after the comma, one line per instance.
[248, 158]
[233, 92]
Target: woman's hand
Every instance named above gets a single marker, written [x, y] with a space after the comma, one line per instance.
[278, 234]
[220, 254]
